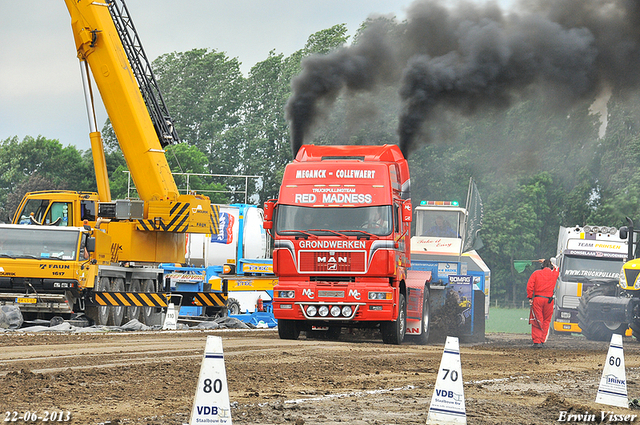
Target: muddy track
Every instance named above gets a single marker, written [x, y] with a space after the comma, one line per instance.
[150, 377]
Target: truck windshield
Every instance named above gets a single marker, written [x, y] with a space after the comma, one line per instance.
[584, 268]
[438, 223]
[376, 220]
[38, 242]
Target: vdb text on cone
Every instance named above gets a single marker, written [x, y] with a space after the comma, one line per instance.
[447, 403]
[211, 404]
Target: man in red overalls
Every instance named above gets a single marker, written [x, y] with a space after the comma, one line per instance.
[540, 293]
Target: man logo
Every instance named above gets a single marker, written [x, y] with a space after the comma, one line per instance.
[333, 260]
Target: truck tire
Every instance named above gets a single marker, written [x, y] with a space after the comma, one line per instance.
[133, 312]
[423, 338]
[233, 306]
[99, 314]
[151, 316]
[288, 329]
[393, 331]
[597, 330]
[635, 330]
[333, 333]
[117, 312]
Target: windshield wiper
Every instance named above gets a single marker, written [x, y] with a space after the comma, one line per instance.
[28, 256]
[301, 232]
[330, 231]
[364, 232]
[7, 256]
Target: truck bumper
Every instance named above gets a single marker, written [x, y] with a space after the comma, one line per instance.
[41, 303]
[360, 312]
[566, 320]
[566, 327]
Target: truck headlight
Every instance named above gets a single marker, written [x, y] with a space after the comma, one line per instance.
[346, 311]
[380, 295]
[623, 279]
[312, 310]
[323, 311]
[285, 294]
[335, 311]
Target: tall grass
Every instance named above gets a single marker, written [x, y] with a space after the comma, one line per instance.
[508, 320]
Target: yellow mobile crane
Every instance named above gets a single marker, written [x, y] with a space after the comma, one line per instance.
[81, 252]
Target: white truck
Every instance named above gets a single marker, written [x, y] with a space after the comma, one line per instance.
[586, 256]
[442, 245]
[238, 258]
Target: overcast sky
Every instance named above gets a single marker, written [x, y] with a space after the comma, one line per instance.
[40, 83]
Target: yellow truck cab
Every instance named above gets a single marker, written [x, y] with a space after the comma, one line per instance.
[58, 208]
[45, 268]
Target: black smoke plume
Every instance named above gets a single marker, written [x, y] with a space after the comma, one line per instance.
[356, 68]
[470, 57]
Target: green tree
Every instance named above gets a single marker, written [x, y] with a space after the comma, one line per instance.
[40, 163]
[204, 91]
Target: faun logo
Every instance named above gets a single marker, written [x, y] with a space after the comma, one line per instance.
[54, 266]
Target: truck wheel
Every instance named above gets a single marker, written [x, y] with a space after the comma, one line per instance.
[393, 332]
[635, 330]
[99, 314]
[288, 329]
[423, 338]
[233, 306]
[117, 312]
[333, 333]
[556, 314]
[133, 312]
[151, 316]
[597, 330]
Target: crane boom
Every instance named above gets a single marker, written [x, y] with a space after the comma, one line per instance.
[133, 102]
[98, 43]
[144, 74]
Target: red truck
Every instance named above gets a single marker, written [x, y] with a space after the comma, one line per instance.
[341, 228]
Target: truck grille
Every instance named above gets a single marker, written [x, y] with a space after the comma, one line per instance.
[631, 276]
[333, 261]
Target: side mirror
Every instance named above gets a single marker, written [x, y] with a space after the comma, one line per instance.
[624, 232]
[407, 211]
[91, 244]
[269, 208]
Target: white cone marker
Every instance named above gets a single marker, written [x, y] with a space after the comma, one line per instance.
[211, 405]
[613, 384]
[447, 403]
[171, 319]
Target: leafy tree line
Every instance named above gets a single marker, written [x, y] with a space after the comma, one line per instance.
[537, 166]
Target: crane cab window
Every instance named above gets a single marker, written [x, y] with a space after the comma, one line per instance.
[88, 210]
[45, 212]
[59, 214]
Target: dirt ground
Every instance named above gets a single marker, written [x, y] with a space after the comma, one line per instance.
[150, 378]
